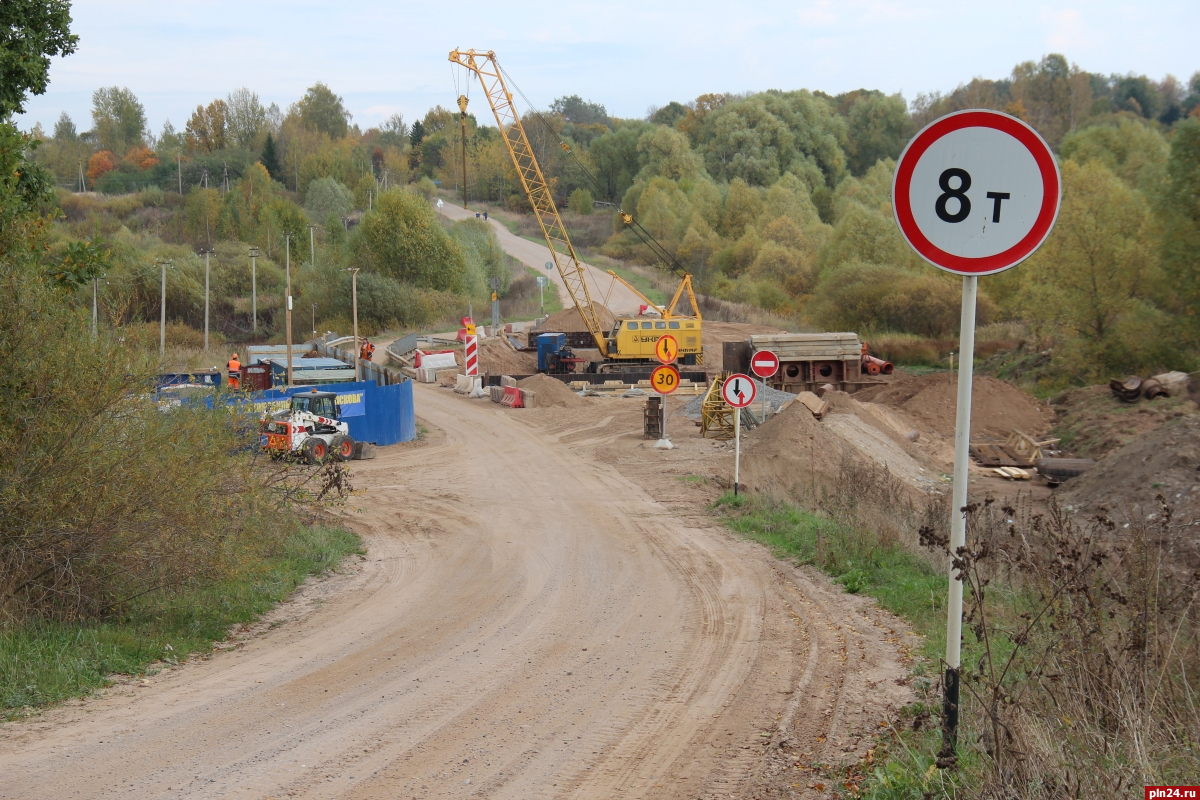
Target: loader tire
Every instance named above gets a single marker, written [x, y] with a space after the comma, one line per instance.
[342, 447]
[314, 450]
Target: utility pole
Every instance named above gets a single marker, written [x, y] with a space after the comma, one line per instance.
[312, 246]
[162, 316]
[462, 118]
[95, 291]
[82, 182]
[354, 313]
[207, 253]
[287, 239]
[179, 167]
[314, 323]
[254, 288]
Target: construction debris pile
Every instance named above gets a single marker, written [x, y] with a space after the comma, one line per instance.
[1134, 388]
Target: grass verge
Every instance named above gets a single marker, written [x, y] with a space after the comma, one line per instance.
[44, 663]
[902, 764]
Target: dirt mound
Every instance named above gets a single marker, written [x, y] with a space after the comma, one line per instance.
[794, 453]
[996, 407]
[498, 357]
[1164, 462]
[551, 392]
[1092, 423]
[570, 320]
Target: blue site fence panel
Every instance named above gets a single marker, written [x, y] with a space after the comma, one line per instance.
[381, 415]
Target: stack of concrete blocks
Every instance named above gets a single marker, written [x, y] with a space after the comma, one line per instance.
[496, 393]
[467, 384]
[426, 374]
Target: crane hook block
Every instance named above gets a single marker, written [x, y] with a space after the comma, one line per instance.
[564, 146]
[626, 217]
[462, 103]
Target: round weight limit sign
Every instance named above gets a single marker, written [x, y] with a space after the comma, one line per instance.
[976, 192]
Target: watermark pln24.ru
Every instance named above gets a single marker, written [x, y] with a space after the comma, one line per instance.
[1170, 792]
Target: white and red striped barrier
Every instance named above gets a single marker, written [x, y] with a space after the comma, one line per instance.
[471, 357]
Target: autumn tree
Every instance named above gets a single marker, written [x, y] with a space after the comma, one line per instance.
[322, 110]
[403, 239]
[207, 129]
[877, 128]
[1178, 205]
[574, 108]
[31, 32]
[119, 119]
[100, 163]
[245, 118]
[1091, 280]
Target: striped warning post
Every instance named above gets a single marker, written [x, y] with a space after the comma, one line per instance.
[471, 357]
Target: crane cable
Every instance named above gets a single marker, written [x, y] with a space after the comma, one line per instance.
[644, 235]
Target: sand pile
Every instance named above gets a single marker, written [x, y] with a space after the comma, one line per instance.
[498, 357]
[997, 407]
[793, 453]
[790, 455]
[570, 320]
[551, 392]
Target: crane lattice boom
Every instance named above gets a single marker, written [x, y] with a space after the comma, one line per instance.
[573, 273]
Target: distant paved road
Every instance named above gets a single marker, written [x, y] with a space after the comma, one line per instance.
[604, 289]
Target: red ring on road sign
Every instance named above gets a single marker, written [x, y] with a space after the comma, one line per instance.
[1051, 194]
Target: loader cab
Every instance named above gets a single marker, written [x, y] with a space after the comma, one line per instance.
[323, 404]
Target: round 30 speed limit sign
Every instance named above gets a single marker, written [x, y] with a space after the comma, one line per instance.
[976, 192]
[664, 379]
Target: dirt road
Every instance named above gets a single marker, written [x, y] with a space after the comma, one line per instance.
[604, 289]
[528, 622]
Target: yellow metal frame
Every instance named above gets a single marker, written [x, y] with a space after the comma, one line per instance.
[667, 311]
[484, 66]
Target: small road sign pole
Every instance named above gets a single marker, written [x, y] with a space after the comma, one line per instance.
[958, 516]
[737, 448]
[739, 395]
[664, 380]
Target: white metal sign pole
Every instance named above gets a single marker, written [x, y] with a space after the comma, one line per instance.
[975, 193]
[737, 447]
[958, 517]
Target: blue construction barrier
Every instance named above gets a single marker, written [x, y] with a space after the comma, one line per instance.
[381, 415]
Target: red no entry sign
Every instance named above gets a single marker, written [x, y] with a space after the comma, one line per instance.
[976, 192]
[738, 390]
[764, 363]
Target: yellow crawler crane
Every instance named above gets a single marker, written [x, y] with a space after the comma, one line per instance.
[630, 340]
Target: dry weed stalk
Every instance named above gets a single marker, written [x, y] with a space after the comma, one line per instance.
[1085, 675]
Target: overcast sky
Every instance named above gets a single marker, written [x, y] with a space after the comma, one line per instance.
[389, 57]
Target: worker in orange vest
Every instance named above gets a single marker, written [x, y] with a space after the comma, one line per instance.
[366, 351]
[235, 371]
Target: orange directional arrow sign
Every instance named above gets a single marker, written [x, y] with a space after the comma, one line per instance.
[667, 348]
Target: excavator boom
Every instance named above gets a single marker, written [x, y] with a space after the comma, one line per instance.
[573, 273]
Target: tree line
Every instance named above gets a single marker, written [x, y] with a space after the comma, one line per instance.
[777, 198]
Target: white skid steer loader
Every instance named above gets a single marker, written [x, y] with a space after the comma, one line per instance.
[309, 429]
